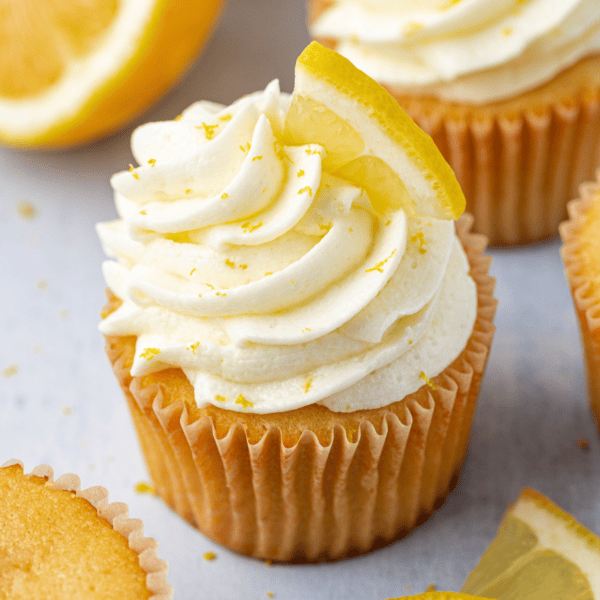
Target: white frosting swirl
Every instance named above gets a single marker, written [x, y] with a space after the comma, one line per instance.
[272, 284]
[474, 51]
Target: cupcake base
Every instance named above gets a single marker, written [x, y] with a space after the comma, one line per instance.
[581, 255]
[310, 484]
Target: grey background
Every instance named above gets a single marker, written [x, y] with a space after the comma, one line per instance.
[63, 406]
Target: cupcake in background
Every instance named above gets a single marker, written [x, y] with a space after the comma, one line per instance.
[581, 255]
[298, 330]
[508, 89]
[59, 542]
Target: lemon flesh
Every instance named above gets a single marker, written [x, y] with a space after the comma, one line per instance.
[72, 71]
[539, 553]
[370, 141]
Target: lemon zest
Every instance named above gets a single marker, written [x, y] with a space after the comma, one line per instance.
[149, 353]
[209, 556]
[245, 403]
[143, 212]
[230, 263]
[305, 189]
[152, 162]
[249, 228]
[209, 130]
[193, 347]
[192, 272]
[257, 158]
[418, 237]
[300, 173]
[428, 381]
[225, 118]
[220, 398]
[224, 196]
[379, 265]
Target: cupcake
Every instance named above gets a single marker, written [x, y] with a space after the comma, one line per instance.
[59, 542]
[299, 340]
[509, 91]
[581, 255]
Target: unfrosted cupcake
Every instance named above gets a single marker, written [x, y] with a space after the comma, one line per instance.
[581, 255]
[300, 345]
[59, 542]
[508, 89]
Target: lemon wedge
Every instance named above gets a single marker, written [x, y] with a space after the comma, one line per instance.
[72, 71]
[540, 553]
[370, 141]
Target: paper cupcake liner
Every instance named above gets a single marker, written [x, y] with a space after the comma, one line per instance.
[587, 305]
[117, 514]
[519, 171]
[311, 501]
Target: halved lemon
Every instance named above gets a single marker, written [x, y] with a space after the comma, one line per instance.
[72, 71]
[540, 553]
[370, 141]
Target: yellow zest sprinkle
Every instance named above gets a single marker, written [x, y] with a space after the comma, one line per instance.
[245, 403]
[308, 151]
[243, 267]
[209, 556]
[178, 118]
[306, 329]
[193, 347]
[270, 595]
[224, 196]
[412, 28]
[220, 398]
[131, 167]
[242, 149]
[418, 237]
[281, 153]
[428, 381]
[149, 353]
[268, 273]
[209, 130]
[220, 294]
[410, 341]
[66, 410]
[379, 265]
[248, 228]
[307, 385]
[26, 210]
[199, 295]
[135, 176]
[10, 371]
[431, 588]
[388, 222]
[305, 189]
[188, 191]
[143, 212]
[144, 488]
[257, 158]
[293, 282]
[507, 30]
[152, 161]
[230, 263]
[212, 287]
[192, 272]
[225, 118]
[449, 4]
[350, 229]
[323, 226]
[268, 563]
[300, 173]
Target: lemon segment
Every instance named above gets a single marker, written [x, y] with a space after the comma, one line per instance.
[74, 71]
[365, 112]
[539, 553]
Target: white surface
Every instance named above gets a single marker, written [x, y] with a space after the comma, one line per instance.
[531, 412]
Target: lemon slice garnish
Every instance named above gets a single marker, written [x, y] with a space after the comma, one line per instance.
[74, 70]
[539, 553]
[370, 141]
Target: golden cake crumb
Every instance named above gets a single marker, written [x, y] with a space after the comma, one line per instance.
[209, 556]
[10, 371]
[583, 444]
[141, 487]
[26, 210]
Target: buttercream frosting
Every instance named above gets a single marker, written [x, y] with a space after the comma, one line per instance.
[271, 283]
[473, 51]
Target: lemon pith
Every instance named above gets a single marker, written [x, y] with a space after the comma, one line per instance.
[383, 144]
[105, 73]
[540, 552]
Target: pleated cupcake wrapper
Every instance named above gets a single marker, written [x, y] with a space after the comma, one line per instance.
[518, 172]
[586, 304]
[311, 502]
[117, 514]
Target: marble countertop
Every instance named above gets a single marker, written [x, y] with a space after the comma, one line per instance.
[60, 403]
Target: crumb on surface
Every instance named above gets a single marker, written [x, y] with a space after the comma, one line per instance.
[64, 314]
[42, 284]
[26, 210]
[583, 444]
[431, 588]
[66, 410]
[408, 587]
[10, 371]
[141, 487]
[209, 556]
[270, 595]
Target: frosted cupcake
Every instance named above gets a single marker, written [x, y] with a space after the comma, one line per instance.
[57, 541]
[581, 255]
[300, 342]
[509, 91]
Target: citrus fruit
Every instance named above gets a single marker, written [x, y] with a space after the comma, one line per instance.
[72, 71]
[369, 140]
[540, 552]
